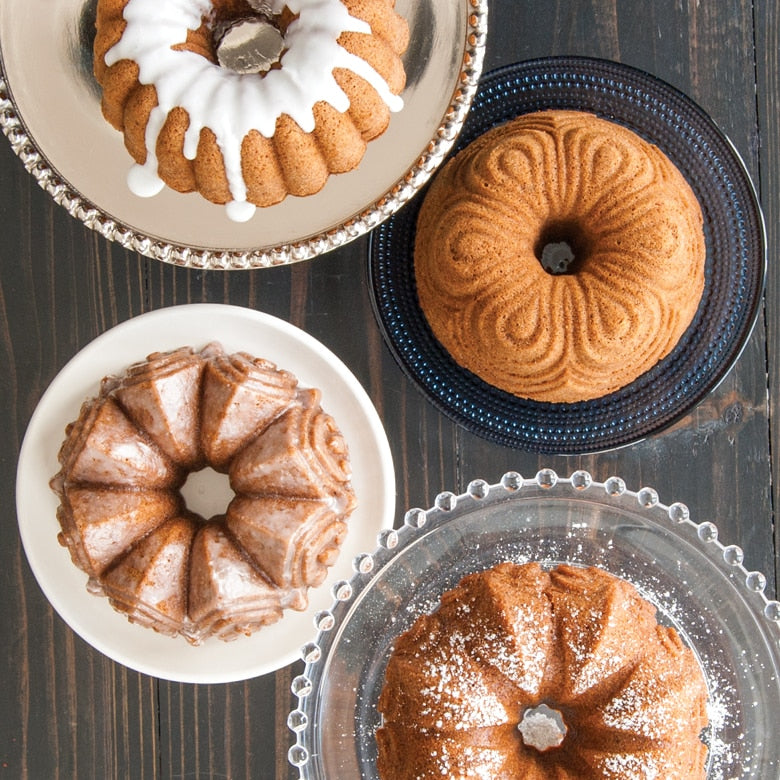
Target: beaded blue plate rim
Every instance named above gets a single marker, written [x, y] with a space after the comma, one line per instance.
[735, 267]
[641, 508]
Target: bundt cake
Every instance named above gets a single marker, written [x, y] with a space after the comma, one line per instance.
[125, 523]
[559, 256]
[523, 672]
[247, 139]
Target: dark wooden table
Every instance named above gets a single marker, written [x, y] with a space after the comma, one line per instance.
[70, 712]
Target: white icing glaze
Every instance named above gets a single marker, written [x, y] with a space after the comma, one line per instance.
[228, 103]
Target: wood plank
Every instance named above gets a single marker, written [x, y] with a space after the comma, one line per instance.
[767, 25]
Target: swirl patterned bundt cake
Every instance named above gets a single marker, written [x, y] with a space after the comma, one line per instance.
[523, 672]
[247, 139]
[559, 256]
[125, 523]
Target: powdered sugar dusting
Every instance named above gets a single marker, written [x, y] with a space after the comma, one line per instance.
[458, 697]
[493, 656]
[467, 762]
[629, 765]
[594, 657]
[521, 662]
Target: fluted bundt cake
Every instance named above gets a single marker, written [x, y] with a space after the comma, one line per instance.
[125, 523]
[523, 672]
[247, 139]
[559, 256]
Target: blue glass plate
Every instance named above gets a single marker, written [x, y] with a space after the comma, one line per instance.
[735, 266]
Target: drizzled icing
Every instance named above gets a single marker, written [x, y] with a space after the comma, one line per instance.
[228, 103]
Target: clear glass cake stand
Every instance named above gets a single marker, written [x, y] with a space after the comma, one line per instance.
[697, 583]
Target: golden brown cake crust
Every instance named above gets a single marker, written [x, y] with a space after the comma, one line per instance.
[462, 681]
[126, 524]
[297, 162]
[635, 229]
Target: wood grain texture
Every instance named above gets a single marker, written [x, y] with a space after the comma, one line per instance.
[767, 25]
[71, 713]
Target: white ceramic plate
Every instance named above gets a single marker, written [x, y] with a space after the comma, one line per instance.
[50, 111]
[236, 328]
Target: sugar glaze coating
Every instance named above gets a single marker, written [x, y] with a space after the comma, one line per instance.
[125, 523]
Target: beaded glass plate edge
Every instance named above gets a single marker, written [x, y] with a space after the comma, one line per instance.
[673, 521]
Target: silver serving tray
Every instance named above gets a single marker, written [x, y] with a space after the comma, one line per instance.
[50, 112]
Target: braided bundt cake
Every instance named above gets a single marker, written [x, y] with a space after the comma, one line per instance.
[549, 675]
[125, 523]
[559, 256]
[247, 139]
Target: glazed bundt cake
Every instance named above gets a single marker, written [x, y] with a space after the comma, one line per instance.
[559, 256]
[247, 139]
[523, 672]
[125, 523]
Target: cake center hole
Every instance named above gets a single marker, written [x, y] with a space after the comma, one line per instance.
[207, 492]
[252, 43]
[542, 728]
[561, 248]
